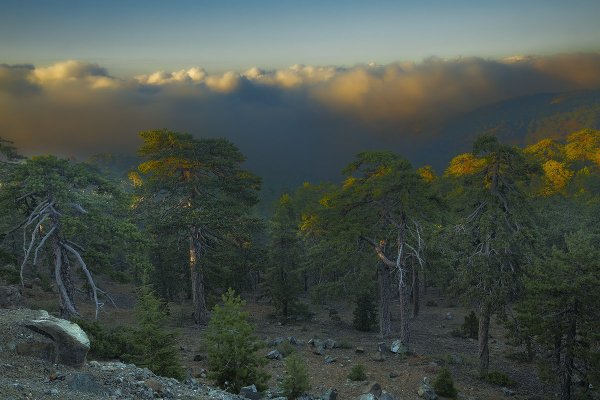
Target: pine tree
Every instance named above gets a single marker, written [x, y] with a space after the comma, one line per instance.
[153, 346]
[296, 382]
[232, 359]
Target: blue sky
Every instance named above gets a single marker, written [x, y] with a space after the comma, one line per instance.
[132, 37]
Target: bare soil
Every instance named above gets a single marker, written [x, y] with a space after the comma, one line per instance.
[431, 346]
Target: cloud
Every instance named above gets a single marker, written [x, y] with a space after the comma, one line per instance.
[14, 80]
[302, 122]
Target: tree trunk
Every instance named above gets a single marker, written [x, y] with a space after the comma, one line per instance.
[385, 324]
[566, 376]
[485, 315]
[404, 300]
[197, 278]
[63, 282]
[415, 290]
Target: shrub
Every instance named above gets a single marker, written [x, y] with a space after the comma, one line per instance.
[365, 313]
[498, 378]
[106, 344]
[153, 347]
[231, 344]
[470, 327]
[296, 382]
[443, 384]
[147, 345]
[286, 348]
[357, 373]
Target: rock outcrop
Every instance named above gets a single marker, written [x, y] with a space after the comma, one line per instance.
[71, 344]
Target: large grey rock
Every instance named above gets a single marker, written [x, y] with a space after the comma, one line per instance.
[367, 396]
[71, 344]
[386, 396]
[398, 347]
[330, 344]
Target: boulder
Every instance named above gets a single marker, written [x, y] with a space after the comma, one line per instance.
[376, 390]
[386, 396]
[359, 350]
[275, 342]
[398, 347]
[250, 392]
[330, 344]
[274, 355]
[381, 347]
[71, 344]
[329, 360]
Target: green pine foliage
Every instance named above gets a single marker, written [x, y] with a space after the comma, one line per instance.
[153, 346]
[444, 385]
[357, 373]
[365, 313]
[296, 382]
[470, 328]
[106, 344]
[232, 359]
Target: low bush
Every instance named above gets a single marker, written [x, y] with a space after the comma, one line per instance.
[444, 385]
[357, 373]
[498, 378]
[296, 382]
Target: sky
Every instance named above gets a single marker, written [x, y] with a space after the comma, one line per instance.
[299, 86]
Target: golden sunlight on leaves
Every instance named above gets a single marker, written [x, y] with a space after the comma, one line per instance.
[135, 179]
[546, 149]
[427, 173]
[310, 224]
[583, 145]
[465, 164]
[349, 182]
[557, 175]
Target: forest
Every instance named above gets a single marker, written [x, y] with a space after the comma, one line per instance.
[509, 234]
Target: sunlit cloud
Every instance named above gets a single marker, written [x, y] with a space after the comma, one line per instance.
[79, 108]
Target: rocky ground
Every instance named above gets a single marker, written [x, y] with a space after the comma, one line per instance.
[432, 347]
[23, 375]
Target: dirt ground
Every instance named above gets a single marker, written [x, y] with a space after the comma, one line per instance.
[431, 347]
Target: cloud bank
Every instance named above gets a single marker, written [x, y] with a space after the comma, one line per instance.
[306, 120]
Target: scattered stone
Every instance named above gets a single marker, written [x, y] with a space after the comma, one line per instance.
[274, 355]
[82, 382]
[293, 340]
[359, 350]
[378, 356]
[449, 316]
[507, 392]
[250, 392]
[386, 396]
[318, 347]
[376, 390]
[367, 396]
[426, 391]
[330, 344]
[154, 385]
[331, 394]
[275, 342]
[398, 348]
[52, 392]
[71, 343]
[394, 374]
[329, 359]
[381, 347]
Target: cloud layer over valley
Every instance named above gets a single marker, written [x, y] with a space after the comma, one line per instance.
[305, 121]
